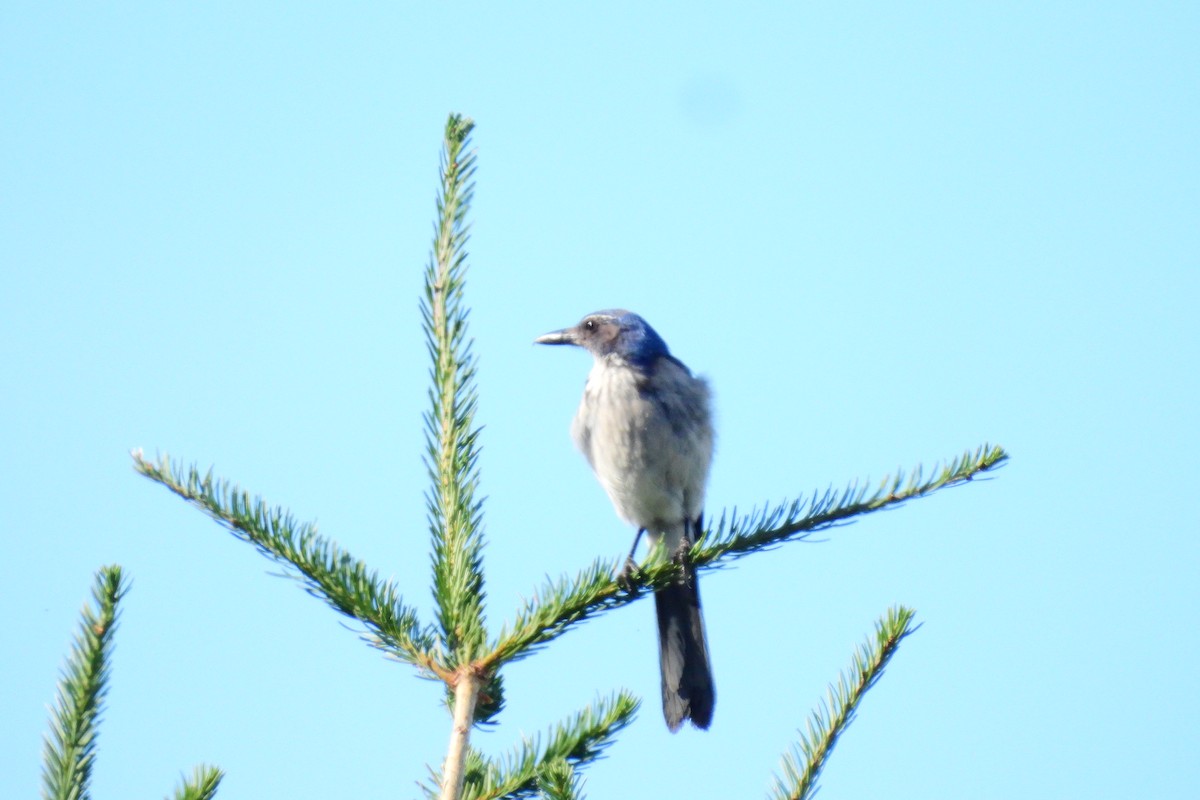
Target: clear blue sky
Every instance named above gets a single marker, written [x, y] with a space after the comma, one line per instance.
[885, 235]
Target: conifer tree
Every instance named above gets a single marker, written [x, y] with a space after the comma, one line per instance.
[456, 647]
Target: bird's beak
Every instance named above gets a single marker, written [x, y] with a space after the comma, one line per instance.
[565, 336]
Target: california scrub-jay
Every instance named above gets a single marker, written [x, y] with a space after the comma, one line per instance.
[645, 426]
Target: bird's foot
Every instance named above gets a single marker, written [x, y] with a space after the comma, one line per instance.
[626, 578]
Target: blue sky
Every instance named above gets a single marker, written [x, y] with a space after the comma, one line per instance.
[885, 235]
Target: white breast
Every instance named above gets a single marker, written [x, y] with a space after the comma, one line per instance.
[649, 440]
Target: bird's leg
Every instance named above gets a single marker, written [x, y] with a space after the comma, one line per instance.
[625, 576]
[682, 554]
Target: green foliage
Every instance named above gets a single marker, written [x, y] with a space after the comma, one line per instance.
[451, 439]
[455, 646]
[567, 601]
[575, 742]
[201, 786]
[326, 570]
[836, 711]
[550, 610]
[800, 518]
[70, 749]
[560, 781]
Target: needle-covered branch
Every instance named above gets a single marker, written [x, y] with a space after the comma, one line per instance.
[70, 749]
[562, 603]
[566, 601]
[796, 520]
[451, 457]
[560, 781]
[557, 605]
[835, 712]
[451, 438]
[202, 785]
[325, 569]
[577, 741]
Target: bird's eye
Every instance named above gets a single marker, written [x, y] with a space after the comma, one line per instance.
[590, 324]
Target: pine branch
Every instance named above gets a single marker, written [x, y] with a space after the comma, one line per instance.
[800, 518]
[566, 601]
[452, 452]
[561, 604]
[553, 608]
[577, 742]
[70, 749]
[836, 711]
[324, 569]
[455, 516]
[560, 781]
[202, 785]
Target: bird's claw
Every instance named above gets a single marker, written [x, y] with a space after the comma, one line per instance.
[626, 578]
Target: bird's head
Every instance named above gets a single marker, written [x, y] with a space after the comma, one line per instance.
[616, 333]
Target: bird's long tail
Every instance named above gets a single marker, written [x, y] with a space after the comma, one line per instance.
[687, 684]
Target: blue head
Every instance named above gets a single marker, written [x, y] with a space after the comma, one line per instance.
[615, 333]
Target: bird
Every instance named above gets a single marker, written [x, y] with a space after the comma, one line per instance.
[645, 426]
